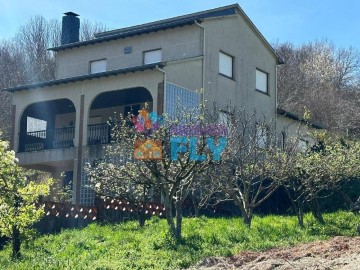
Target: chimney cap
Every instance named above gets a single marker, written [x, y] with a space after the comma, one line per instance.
[70, 13]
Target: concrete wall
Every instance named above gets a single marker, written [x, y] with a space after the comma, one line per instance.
[232, 35]
[179, 43]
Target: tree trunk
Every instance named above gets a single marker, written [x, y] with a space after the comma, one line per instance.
[315, 209]
[297, 206]
[141, 217]
[169, 215]
[197, 212]
[347, 199]
[196, 206]
[247, 220]
[16, 243]
[178, 221]
[300, 216]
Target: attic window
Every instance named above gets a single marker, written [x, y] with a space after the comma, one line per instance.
[98, 66]
[153, 56]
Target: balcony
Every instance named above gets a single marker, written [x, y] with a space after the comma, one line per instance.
[47, 139]
[99, 134]
[62, 138]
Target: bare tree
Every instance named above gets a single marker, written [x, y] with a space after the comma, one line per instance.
[323, 79]
[25, 58]
[253, 166]
[325, 166]
[88, 29]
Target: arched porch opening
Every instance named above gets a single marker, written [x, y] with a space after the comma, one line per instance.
[47, 125]
[109, 104]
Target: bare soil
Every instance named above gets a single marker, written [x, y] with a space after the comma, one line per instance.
[336, 253]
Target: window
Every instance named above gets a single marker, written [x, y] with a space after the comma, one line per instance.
[261, 81]
[262, 136]
[35, 126]
[225, 123]
[98, 66]
[152, 56]
[226, 64]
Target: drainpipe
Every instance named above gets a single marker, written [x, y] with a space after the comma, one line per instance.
[203, 62]
[280, 62]
[164, 86]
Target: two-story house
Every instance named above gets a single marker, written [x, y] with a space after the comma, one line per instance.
[59, 124]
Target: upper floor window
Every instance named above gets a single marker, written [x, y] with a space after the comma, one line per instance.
[226, 64]
[262, 81]
[153, 56]
[98, 66]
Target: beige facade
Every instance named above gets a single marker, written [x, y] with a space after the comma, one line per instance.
[77, 105]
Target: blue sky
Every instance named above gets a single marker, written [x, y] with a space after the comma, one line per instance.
[296, 21]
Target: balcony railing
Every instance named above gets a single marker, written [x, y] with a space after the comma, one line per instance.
[47, 139]
[99, 134]
[62, 138]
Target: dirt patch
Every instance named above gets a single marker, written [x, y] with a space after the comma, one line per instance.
[336, 253]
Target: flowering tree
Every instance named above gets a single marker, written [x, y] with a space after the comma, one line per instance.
[164, 153]
[17, 199]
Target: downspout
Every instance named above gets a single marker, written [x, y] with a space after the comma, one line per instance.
[164, 86]
[203, 62]
[279, 62]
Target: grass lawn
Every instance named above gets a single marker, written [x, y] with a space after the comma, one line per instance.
[126, 246]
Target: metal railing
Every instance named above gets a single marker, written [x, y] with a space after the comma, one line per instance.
[99, 134]
[62, 138]
[47, 139]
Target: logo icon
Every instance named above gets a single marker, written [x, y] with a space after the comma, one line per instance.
[148, 149]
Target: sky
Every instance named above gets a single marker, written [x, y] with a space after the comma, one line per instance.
[295, 21]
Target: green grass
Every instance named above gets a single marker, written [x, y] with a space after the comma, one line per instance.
[126, 246]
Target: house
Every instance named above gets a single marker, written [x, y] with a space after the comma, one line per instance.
[58, 125]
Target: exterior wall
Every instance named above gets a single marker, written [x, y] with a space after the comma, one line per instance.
[293, 129]
[232, 35]
[185, 73]
[178, 43]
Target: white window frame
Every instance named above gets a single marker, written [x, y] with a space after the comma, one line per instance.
[226, 65]
[152, 56]
[98, 66]
[262, 81]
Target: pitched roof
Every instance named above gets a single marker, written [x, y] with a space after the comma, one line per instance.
[85, 77]
[179, 21]
[298, 118]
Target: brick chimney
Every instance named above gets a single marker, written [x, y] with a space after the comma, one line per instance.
[70, 28]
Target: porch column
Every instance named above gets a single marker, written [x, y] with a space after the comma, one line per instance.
[12, 130]
[79, 155]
